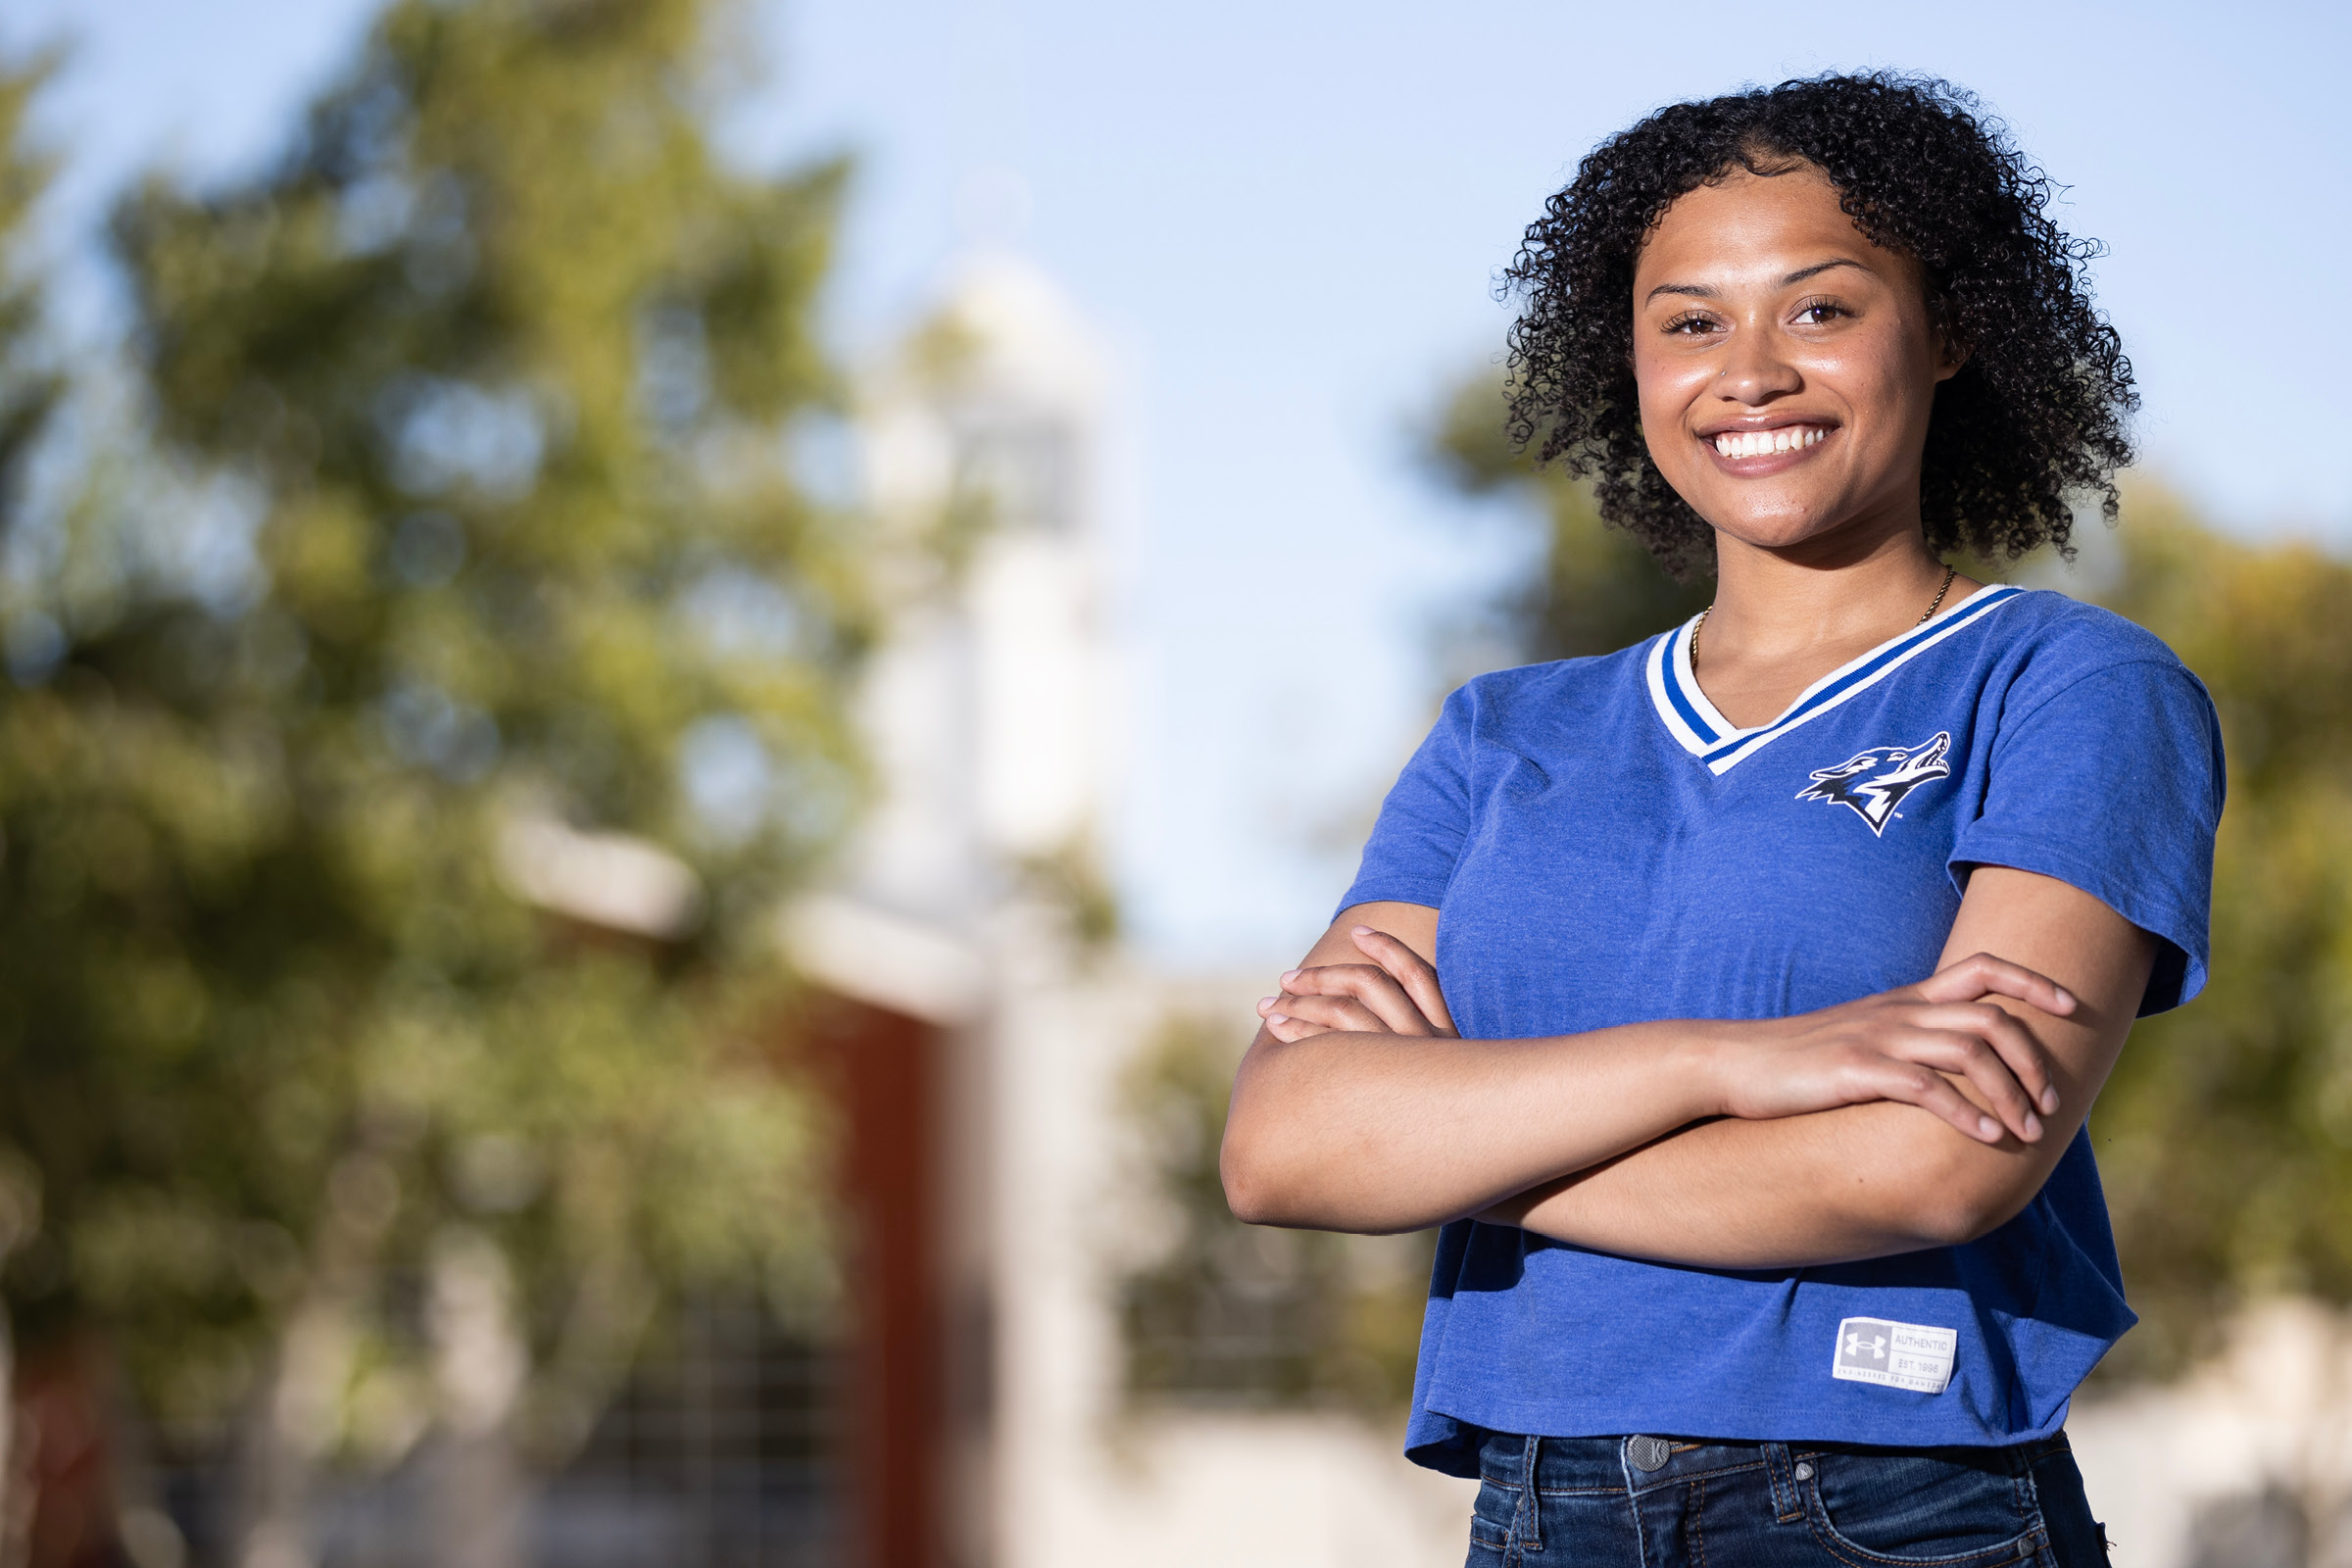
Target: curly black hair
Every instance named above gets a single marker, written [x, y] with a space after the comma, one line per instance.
[2036, 416]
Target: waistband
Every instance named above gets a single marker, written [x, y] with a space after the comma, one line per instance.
[1640, 1461]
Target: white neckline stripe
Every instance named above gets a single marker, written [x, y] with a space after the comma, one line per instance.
[1707, 734]
[1681, 719]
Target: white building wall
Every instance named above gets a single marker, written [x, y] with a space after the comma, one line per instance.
[1085, 1480]
[993, 710]
[2166, 1468]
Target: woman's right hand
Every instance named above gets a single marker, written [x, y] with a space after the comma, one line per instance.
[1899, 1046]
[1396, 993]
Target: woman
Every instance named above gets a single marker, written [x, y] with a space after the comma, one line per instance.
[1759, 1247]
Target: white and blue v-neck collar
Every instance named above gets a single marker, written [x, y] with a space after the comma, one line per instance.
[1716, 741]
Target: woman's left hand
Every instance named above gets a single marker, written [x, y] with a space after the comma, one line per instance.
[1396, 993]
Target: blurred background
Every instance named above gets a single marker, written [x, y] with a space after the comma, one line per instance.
[672, 669]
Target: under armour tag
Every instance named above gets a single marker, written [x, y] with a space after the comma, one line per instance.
[1897, 1355]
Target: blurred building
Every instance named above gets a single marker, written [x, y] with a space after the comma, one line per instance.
[982, 1012]
[2246, 1463]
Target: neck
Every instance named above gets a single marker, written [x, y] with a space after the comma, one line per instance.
[1774, 605]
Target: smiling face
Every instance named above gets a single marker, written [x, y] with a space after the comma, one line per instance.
[1787, 365]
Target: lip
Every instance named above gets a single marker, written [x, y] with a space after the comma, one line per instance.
[1766, 463]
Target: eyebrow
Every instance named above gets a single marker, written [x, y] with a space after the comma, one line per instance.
[1702, 291]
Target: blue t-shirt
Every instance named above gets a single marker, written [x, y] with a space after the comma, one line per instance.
[1604, 848]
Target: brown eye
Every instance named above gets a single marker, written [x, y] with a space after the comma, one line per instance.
[1820, 313]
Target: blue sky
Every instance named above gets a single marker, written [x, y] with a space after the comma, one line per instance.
[1286, 218]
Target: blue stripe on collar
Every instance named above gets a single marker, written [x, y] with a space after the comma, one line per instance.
[1686, 712]
[1674, 691]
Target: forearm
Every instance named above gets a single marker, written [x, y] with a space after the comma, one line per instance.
[1857, 1182]
[1871, 1180]
[1859, 1130]
[1376, 1133]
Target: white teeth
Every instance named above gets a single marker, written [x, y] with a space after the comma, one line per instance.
[1764, 443]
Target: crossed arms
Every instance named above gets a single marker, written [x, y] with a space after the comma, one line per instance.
[1923, 1116]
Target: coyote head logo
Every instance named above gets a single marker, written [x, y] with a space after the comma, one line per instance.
[1875, 782]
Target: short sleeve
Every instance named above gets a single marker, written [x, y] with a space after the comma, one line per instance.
[2113, 784]
[1425, 820]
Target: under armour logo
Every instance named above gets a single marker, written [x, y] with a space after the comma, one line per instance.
[1915, 1356]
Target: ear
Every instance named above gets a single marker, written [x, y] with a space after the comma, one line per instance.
[1953, 357]
[1951, 352]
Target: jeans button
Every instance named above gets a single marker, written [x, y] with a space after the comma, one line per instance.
[1647, 1453]
[1804, 1472]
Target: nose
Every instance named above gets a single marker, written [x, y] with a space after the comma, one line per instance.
[1754, 369]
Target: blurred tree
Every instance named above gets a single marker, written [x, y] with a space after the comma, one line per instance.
[30, 384]
[394, 820]
[29, 390]
[1598, 589]
[1222, 1312]
[2225, 1134]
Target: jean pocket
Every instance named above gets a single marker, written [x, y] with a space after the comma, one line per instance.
[1953, 1507]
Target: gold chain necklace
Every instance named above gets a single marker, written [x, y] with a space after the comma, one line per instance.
[1934, 605]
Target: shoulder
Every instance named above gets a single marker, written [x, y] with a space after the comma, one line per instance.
[2072, 678]
[2064, 628]
[1534, 713]
[1557, 687]
[2050, 643]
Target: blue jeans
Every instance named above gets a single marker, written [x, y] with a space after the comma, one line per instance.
[1670, 1502]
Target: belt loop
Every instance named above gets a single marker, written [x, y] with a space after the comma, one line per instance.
[1530, 1500]
[1787, 1503]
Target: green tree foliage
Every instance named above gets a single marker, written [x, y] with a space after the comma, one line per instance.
[1244, 1314]
[1597, 590]
[2225, 1135]
[477, 536]
[29, 386]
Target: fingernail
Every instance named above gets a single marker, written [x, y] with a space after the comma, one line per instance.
[2049, 1102]
[2065, 998]
[1988, 1127]
[1287, 976]
[1263, 1002]
[1276, 1017]
[1361, 931]
[2033, 1127]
